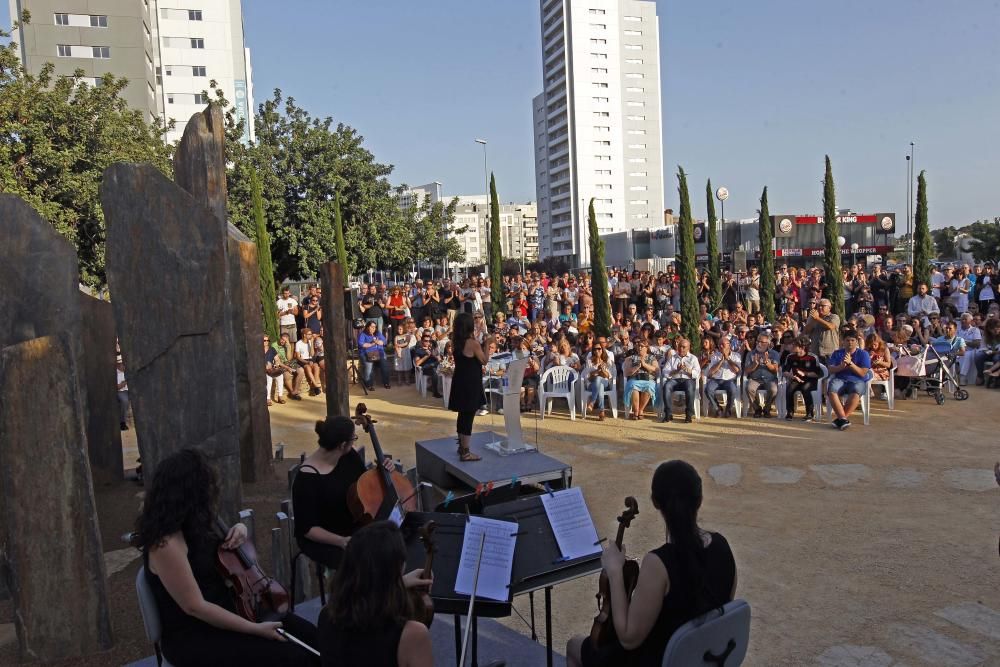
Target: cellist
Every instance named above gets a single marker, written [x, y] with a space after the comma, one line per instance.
[690, 574]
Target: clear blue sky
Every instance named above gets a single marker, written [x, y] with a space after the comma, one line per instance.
[754, 93]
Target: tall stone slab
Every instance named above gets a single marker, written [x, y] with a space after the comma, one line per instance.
[200, 168]
[53, 556]
[99, 383]
[168, 274]
[335, 332]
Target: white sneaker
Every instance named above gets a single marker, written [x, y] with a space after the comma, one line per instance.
[482, 412]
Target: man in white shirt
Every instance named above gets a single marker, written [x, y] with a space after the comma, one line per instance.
[679, 372]
[922, 305]
[723, 369]
[288, 307]
[936, 279]
[752, 284]
[973, 340]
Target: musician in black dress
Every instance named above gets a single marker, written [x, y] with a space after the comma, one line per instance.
[179, 543]
[692, 573]
[323, 521]
[467, 382]
[367, 621]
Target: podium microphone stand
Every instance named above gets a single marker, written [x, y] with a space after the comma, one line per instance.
[514, 442]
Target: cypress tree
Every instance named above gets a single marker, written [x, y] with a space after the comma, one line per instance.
[267, 292]
[831, 250]
[714, 261]
[598, 277]
[685, 267]
[338, 233]
[766, 235]
[923, 247]
[496, 261]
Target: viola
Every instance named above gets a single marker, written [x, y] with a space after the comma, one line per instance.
[420, 600]
[603, 630]
[377, 492]
[258, 597]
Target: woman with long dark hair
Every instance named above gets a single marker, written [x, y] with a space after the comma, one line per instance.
[179, 541]
[692, 573]
[467, 395]
[368, 619]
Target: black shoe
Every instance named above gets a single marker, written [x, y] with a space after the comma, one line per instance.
[838, 423]
[295, 397]
[386, 385]
[438, 395]
[757, 414]
[844, 423]
[789, 416]
[124, 426]
[371, 388]
[767, 413]
[666, 418]
[688, 419]
[807, 418]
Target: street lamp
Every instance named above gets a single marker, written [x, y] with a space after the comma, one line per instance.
[486, 178]
[722, 194]
[854, 249]
[909, 199]
[840, 242]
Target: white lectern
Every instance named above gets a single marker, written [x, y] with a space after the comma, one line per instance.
[514, 442]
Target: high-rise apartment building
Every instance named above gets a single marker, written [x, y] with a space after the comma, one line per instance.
[169, 50]
[597, 122]
[518, 229]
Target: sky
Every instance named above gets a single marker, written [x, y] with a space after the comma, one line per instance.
[754, 94]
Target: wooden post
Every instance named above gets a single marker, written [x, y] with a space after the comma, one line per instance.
[336, 328]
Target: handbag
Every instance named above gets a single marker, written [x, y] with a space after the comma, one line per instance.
[372, 355]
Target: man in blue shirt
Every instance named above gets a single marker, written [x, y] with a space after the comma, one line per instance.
[849, 368]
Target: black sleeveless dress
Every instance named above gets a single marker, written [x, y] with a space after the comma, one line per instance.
[679, 605]
[370, 647]
[190, 642]
[466, 384]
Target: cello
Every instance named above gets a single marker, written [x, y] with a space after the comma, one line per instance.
[376, 493]
[603, 630]
[258, 597]
[420, 600]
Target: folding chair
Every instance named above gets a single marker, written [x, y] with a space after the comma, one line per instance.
[718, 638]
[150, 614]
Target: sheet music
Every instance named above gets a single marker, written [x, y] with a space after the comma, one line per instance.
[571, 523]
[397, 515]
[497, 562]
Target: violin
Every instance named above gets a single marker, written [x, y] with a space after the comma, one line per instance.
[258, 597]
[376, 493]
[603, 630]
[420, 600]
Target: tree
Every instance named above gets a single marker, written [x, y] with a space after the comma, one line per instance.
[338, 230]
[598, 276]
[266, 267]
[57, 136]
[496, 261]
[690, 312]
[923, 251]
[831, 252]
[944, 242]
[433, 232]
[714, 263]
[303, 163]
[985, 236]
[766, 236]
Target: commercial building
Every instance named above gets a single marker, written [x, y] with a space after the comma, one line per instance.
[597, 125]
[168, 50]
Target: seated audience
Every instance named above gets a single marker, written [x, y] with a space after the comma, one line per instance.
[597, 378]
[849, 366]
[802, 372]
[304, 355]
[681, 372]
[640, 370]
[293, 374]
[760, 369]
[723, 369]
[425, 361]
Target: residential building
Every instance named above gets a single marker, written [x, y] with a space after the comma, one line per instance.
[169, 50]
[597, 126]
[518, 229]
[416, 196]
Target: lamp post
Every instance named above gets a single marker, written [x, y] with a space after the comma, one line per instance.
[840, 242]
[722, 194]
[854, 249]
[909, 200]
[486, 178]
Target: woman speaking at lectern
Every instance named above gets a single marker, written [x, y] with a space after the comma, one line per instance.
[467, 383]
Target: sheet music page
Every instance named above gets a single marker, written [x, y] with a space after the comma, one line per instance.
[497, 562]
[571, 523]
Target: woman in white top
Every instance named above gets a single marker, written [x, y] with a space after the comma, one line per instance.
[958, 294]
[404, 340]
[561, 354]
[597, 377]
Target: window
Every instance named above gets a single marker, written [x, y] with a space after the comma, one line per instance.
[633, 33]
[197, 43]
[632, 19]
[599, 12]
[602, 186]
[635, 104]
[635, 117]
[635, 75]
[639, 202]
[633, 47]
[599, 100]
[601, 158]
[100, 21]
[149, 63]
[149, 37]
[102, 52]
[170, 99]
[640, 174]
[600, 56]
[65, 51]
[603, 143]
[62, 19]
[599, 70]
[637, 132]
[633, 89]
[169, 70]
[637, 146]
[638, 188]
[598, 42]
[194, 15]
[605, 216]
[633, 61]
[637, 160]
[601, 114]
[599, 84]
[602, 172]
[599, 26]
[604, 201]
[198, 70]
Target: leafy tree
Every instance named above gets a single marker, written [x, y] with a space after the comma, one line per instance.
[690, 315]
[432, 228]
[766, 236]
[985, 239]
[496, 261]
[923, 251]
[831, 252]
[338, 229]
[303, 163]
[714, 261]
[57, 136]
[263, 241]
[944, 241]
[598, 276]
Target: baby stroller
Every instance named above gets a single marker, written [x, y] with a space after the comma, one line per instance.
[929, 369]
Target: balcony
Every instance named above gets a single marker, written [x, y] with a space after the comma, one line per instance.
[557, 53]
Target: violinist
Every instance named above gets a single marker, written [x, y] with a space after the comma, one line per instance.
[177, 536]
[368, 620]
[690, 574]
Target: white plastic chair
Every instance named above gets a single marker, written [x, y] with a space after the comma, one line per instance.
[699, 388]
[719, 638]
[889, 386]
[610, 394]
[818, 395]
[557, 382]
[865, 404]
[737, 404]
[445, 387]
[421, 381]
[150, 614]
[750, 402]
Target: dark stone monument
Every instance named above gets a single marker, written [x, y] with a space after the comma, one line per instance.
[168, 274]
[100, 386]
[200, 168]
[336, 329]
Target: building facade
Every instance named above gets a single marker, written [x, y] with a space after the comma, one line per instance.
[169, 50]
[416, 196]
[597, 126]
[518, 229]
